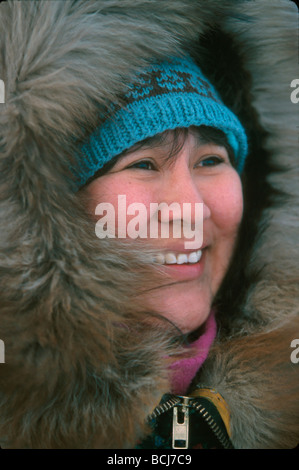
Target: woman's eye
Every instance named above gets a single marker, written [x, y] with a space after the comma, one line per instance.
[211, 160]
[142, 165]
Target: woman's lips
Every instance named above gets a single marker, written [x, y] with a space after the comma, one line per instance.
[186, 271]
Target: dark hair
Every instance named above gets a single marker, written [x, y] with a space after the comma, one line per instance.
[206, 134]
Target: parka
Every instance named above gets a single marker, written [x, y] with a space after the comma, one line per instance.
[82, 369]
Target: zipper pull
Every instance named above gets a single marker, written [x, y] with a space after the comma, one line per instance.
[180, 425]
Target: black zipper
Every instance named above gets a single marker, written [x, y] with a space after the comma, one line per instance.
[180, 420]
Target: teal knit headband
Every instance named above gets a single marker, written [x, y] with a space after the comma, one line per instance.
[164, 96]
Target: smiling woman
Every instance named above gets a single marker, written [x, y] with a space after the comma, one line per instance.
[199, 173]
[169, 124]
[175, 146]
[148, 172]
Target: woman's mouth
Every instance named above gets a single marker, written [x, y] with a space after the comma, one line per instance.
[182, 266]
[179, 258]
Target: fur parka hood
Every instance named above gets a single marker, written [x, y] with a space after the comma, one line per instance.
[73, 377]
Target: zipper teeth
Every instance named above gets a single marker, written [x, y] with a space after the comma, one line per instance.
[164, 407]
[224, 441]
[213, 425]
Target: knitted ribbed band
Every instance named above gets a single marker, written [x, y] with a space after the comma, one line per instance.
[164, 96]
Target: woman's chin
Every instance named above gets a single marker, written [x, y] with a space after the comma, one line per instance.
[186, 310]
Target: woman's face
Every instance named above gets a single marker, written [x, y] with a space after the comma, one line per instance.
[198, 173]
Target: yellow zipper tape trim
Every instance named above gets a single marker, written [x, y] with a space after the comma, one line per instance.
[217, 401]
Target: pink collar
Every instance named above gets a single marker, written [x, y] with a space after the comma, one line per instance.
[184, 370]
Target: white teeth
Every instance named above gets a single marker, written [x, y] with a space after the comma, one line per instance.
[181, 258]
[160, 259]
[194, 257]
[170, 258]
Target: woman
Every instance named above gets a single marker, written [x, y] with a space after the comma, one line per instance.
[100, 333]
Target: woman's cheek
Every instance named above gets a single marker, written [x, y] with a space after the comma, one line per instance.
[131, 202]
[228, 203]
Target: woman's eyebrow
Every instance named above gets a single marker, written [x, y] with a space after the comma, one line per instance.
[161, 149]
[200, 140]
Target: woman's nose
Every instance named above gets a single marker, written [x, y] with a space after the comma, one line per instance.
[184, 194]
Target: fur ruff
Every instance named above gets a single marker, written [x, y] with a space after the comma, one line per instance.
[73, 377]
